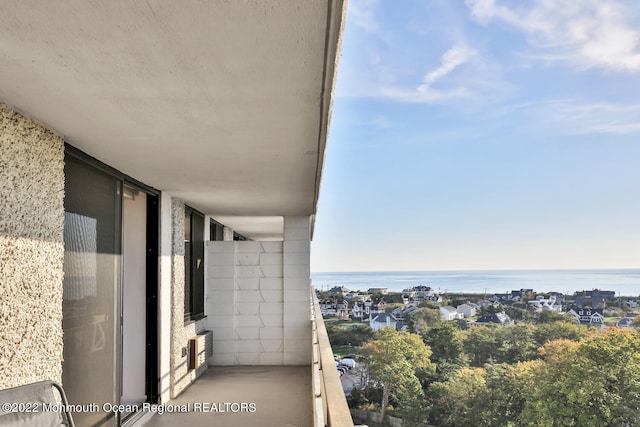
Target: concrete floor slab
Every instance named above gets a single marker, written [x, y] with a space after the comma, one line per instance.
[275, 396]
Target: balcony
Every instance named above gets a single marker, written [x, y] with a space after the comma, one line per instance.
[330, 404]
[276, 395]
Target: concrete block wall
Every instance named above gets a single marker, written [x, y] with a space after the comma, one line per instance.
[244, 303]
[31, 250]
[256, 319]
[297, 285]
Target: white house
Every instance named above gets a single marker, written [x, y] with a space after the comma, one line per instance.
[405, 310]
[383, 320]
[420, 293]
[450, 313]
[468, 309]
[409, 293]
[546, 304]
[357, 311]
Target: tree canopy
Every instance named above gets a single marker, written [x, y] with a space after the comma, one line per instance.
[591, 382]
[397, 361]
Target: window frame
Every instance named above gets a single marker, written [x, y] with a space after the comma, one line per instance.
[194, 273]
[216, 231]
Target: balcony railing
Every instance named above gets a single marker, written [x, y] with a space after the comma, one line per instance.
[330, 407]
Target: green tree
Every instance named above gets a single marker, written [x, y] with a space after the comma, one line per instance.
[355, 335]
[481, 344]
[447, 352]
[506, 393]
[456, 401]
[491, 309]
[489, 397]
[516, 343]
[494, 344]
[424, 318]
[547, 332]
[445, 342]
[397, 358]
[549, 316]
[595, 382]
[517, 313]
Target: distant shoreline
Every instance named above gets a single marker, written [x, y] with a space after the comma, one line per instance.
[567, 281]
[512, 270]
[490, 294]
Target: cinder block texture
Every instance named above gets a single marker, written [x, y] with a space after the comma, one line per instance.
[266, 314]
[31, 250]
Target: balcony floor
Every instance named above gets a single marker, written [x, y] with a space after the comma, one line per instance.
[282, 395]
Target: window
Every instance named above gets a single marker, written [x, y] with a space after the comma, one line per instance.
[216, 231]
[239, 237]
[111, 267]
[193, 264]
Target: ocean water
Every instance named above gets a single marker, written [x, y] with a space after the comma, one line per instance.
[623, 282]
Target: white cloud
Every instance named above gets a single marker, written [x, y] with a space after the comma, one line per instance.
[424, 95]
[617, 128]
[588, 33]
[573, 117]
[486, 10]
[602, 118]
[451, 59]
[385, 81]
[362, 14]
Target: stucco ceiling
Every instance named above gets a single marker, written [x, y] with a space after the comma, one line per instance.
[224, 104]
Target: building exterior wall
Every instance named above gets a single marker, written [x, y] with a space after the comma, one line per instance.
[181, 332]
[257, 292]
[31, 250]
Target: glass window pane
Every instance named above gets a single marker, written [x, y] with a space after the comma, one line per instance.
[91, 281]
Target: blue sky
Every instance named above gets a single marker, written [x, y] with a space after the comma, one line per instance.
[484, 134]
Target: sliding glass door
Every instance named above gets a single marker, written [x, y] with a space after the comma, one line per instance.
[109, 291]
[92, 276]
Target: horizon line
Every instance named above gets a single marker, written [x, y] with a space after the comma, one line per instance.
[479, 269]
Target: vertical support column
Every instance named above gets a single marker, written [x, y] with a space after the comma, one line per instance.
[164, 296]
[179, 371]
[227, 234]
[207, 238]
[207, 229]
[297, 281]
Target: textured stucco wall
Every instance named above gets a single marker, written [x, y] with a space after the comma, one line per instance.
[31, 250]
[181, 377]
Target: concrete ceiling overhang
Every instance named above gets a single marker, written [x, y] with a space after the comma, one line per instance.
[225, 104]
